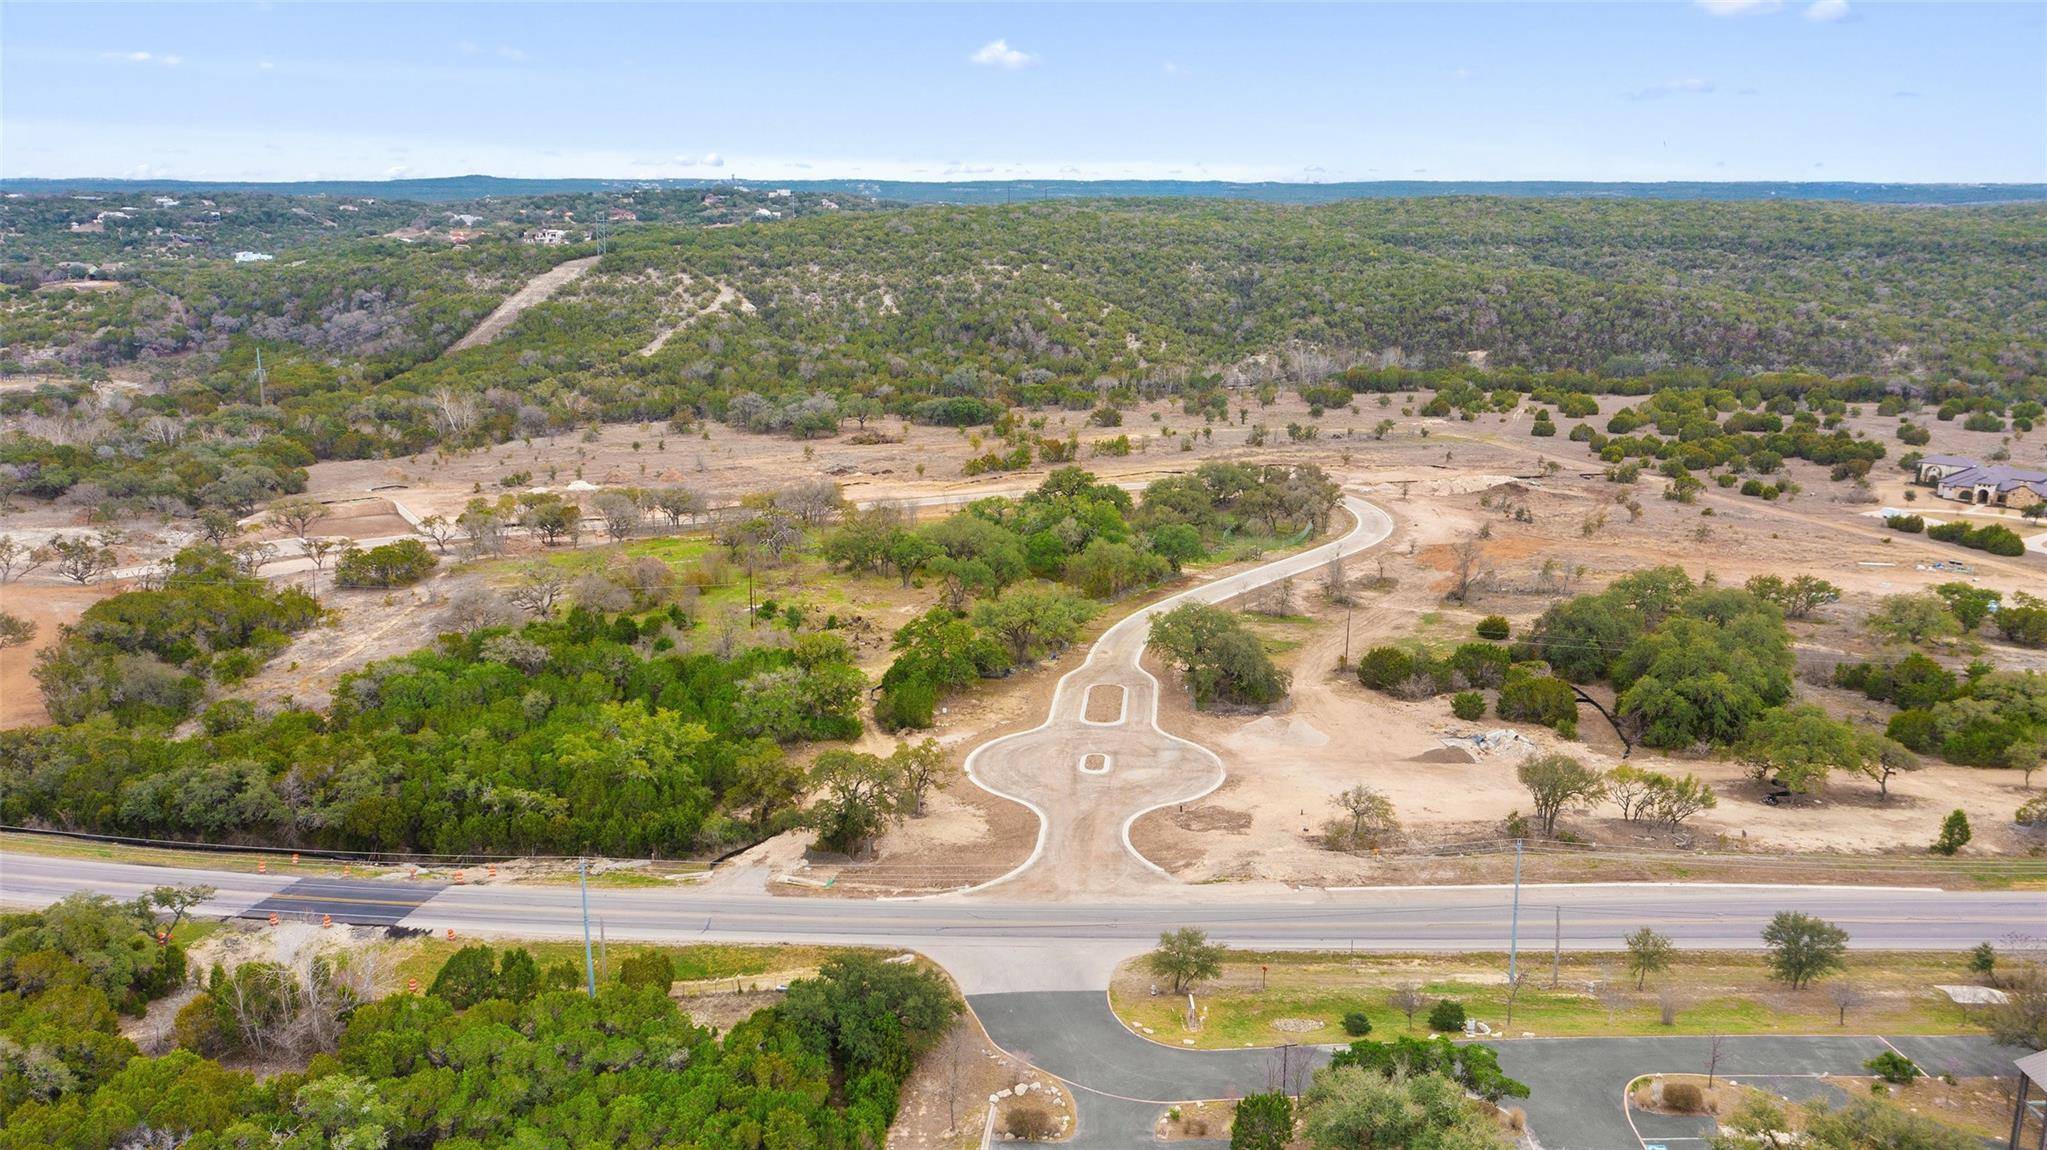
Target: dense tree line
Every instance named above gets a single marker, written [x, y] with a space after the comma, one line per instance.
[496, 1053]
[582, 734]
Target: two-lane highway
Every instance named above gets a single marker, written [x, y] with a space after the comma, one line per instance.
[998, 944]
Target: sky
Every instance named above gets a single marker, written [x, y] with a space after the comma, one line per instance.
[1679, 90]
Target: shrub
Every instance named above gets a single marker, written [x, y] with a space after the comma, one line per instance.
[1954, 834]
[1029, 1123]
[1909, 524]
[399, 564]
[2033, 812]
[1684, 1097]
[1468, 705]
[1494, 627]
[1893, 1068]
[649, 968]
[908, 705]
[198, 1028]
[1446, 1016]
[1543, 699]
[1357, 1024]
[1385, 668]
[1262, 1122]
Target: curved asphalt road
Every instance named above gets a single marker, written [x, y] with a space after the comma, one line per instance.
[1088, 781]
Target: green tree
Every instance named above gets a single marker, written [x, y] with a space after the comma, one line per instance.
[1184, 957]
[1920, 618]
[1555, 781]
[871, 1014]
[1797, 747]
[1034, 621]
[1648, 953]
[1350, 1108]
[1803, 947]
[467, 978]
[1221, 660]
[860, 797]
[1262, 1122]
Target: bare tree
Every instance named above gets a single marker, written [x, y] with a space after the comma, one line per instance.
[474, 607]
[538, 588]
[1610, 994]
[956, 1058]
[621, 514]
[1465, 569]
[455, 410]
[297, 515]
[1668, 1002]
[18, 559]
[251, 557]
[1715, 1047]
[440, 530]
[813, 502]
[678, 503]
[84, 560]
[319, 551]
[1279, 600]
[1846, 996]
[1336, 584]
[1406, 998]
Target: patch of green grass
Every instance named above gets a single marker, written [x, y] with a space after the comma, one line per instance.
[1714, 994]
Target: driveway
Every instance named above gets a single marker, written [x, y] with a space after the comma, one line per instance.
[1087, 780]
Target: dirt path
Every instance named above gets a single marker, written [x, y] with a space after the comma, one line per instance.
[726, 297]
[536, 291]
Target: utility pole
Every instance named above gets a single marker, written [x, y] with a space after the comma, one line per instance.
[589, 960]
[262, 379]
[1514, 921]
[1347, 609]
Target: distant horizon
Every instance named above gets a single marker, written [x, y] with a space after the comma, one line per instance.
[1712, 90]
[993, 181]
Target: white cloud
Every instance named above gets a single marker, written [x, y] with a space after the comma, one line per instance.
[395, 171]
[998, 54]
[1827, 11]
[265, 65]
[507, 52]
[1460, 74]
[143, 58]
[1689, 86]
[1170, 68]
[1739, 7]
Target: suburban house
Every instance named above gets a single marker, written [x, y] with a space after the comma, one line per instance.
[1967, 481]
